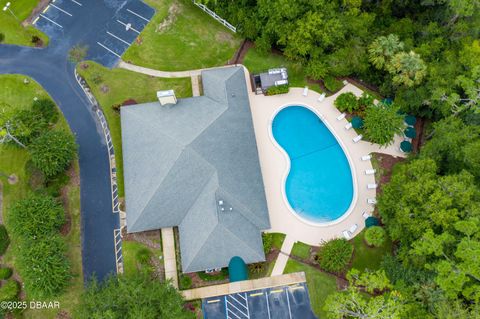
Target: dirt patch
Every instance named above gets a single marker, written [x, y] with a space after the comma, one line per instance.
[239, 56]
[386, 163]
[174, 10]
[417, 142]
[74, 181]
[42, 4]
[148, 238]
[225, 37]
[199, 282]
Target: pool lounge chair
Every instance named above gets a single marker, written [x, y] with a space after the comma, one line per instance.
[366, 157]
[321, 97]
[371, 201]
[341, 117]
[372, 186]
[347, 234]
[370, 172]
[357, 138]
[348, 126]
[353, 228]
[305, 91]
[366, 214]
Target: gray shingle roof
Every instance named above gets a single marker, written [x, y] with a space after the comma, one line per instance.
[180, 160]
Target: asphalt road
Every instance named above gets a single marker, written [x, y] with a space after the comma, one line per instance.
[87, 23]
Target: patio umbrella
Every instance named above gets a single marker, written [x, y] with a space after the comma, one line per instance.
[410, 132]
[410, 120]
[371, 221]
[357, 122]
[406, 146]
[387, 101]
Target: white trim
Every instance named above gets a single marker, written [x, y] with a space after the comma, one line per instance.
[287, 170]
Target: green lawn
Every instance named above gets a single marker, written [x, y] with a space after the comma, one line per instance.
[277, 240]
[301, 250]
[190, 39]
[320, 285]
[12, 160]
[123, 85]
[256, 62]
[14, 32]
[365, 257]
[129, 250]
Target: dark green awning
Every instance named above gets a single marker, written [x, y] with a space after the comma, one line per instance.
[410, 132]
[357, 122]
[371, 221]
[237, 269]
[406, 146]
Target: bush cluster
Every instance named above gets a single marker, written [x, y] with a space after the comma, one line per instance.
[267, 242]
[335, 255]
[332, 84]
[4, 240]
[9, 290]
[5, 273]
[280, 89]
[346, 102]
[375, 236]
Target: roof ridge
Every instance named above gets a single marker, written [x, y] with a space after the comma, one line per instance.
[233, 234]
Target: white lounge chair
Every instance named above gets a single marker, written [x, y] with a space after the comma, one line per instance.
[372, 186]
[348, 126]
[341, 117]
[370, 172]
[321, 97]
[366, 214]
[345, 82]
[353, 229]
[347, 235]
[305, 91]
[366, 157]
[357, 138]
[371, 201]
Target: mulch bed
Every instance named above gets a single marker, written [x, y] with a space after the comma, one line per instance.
[74, 180]
[239, 55]
[386, 162]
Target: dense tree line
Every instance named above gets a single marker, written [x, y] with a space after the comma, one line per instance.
[425, 53]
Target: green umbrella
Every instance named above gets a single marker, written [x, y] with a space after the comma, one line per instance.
[410, 132]
[406, 146]
[371, 221]
[410, 120]
[357, 122]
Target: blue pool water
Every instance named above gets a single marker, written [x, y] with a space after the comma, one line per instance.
[319, 186]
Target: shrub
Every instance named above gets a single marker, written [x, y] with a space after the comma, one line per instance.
[36, 217]
[2, 37]
[53, 151]
[381, 123]
[365, 100]
[9, 290]
[77, 53]
[5, 273]
[47, 109]
[346, 102]
[267, 242]
[375, 236]
[116, 107]
[143, 256]
[4, 240]
[185, 282]
[335, 255]
[36, 40]
[332, 84]
[96, 78]
[257, 268]
[43, 266]
[280, 89]
[27, 125]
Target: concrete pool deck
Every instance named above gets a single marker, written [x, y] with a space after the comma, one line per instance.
[274, 164]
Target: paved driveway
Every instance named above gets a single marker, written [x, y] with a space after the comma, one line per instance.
[288, 302]
[69, 22]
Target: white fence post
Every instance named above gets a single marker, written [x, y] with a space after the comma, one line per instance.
[215, 16]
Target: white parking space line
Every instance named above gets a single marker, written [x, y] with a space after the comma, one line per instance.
[134, 13]
[125, 25]
[288, 303]
[113, 52]
[113, 35]
[231, 304]
[60, 9]
[51, 20]
[76, 2]
[268, 307]
[228, 310]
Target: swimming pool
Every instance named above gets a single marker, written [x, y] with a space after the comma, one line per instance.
[319, 185]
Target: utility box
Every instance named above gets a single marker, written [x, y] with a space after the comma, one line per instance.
[166, 97]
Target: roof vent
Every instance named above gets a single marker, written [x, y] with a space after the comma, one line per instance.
[166, 97]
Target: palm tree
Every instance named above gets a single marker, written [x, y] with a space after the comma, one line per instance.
[382, 49]
[407, 68]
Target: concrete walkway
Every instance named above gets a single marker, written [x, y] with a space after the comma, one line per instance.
[169, 259]
[242, 286]
[283, 256]
[195, 85]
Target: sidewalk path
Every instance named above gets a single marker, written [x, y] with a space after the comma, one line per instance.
[283, 256]
[169, 260]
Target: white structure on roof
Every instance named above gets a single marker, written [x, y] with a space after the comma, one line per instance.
[166, 97]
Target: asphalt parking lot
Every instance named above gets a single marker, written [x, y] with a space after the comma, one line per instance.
[287, 302]
[116, 25]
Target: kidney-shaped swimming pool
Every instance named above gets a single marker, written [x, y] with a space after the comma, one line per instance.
[319, 185]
